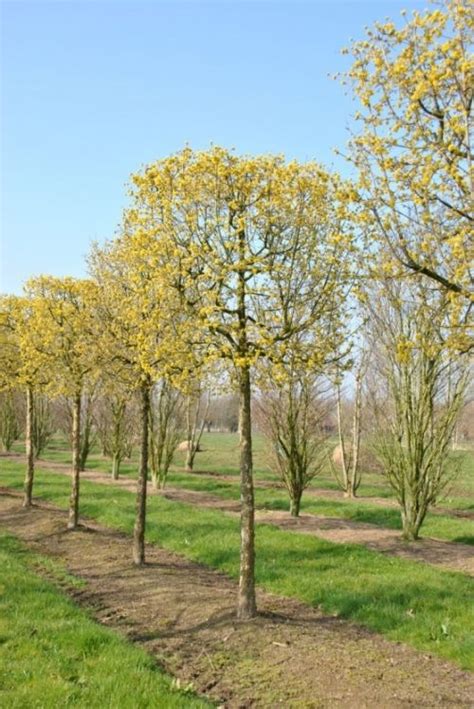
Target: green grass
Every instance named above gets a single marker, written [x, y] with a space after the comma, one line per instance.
[221, 454]
[429, 608]
[439, 526]
[53, 655]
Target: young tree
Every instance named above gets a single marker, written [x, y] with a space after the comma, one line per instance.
[64, 316]
[418, 385]
[43, 424]
[414, 149]
[136, 343]
[291, 413]
[115, 422]
[255, 245]
[349, 452]
[165, 428]
[10, 428]
[22, 364]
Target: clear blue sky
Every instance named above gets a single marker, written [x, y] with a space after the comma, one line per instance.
[93, 90]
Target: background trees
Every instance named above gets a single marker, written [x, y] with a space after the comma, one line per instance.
[292, 415]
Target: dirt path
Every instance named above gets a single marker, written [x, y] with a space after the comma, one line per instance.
[183, 614]
[453, 556]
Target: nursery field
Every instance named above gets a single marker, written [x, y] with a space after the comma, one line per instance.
[336, 587]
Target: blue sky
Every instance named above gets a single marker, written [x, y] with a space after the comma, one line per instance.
[93, 90]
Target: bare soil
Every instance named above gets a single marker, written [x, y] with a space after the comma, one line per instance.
[291, 655]
[453, 556]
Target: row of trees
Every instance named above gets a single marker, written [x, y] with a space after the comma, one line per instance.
[256, 266]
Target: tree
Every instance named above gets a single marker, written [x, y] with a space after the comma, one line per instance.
[165, 427]
[115, 422]
[10, 428]
[43, 424]
[414, 149]
[349, 453]
[136, 344]
[291, 413]
[64, 317]
[418, 387]
[22, 364]
[254, 248]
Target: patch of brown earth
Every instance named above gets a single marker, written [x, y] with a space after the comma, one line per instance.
[183, 614]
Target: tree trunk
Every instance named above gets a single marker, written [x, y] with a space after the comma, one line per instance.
[410, 533]
[30, 453]
[295, 503]
[76, 463]
[115, 467]
[246, 599]
[412, 519]
[140, 509]
[190, 455]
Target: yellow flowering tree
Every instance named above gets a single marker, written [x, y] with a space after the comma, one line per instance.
[22, 365]
[413, 145]
[63, 329]
[256, 249]
[136, 345]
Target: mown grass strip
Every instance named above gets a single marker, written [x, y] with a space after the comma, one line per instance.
[53, 655]
[429, 608]
[444, 527]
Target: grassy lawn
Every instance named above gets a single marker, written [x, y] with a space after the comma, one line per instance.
[53, 655]
[440, 526]
[220, 454]
[426, 607]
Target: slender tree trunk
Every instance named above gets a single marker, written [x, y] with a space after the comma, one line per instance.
[140, 509]
[76, 463]
[246, 599]
[189, 457]
[115, 467]
[30, 453]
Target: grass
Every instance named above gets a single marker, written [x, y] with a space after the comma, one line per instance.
[429, 608]
[53, 655]
[439, 526]
[220, 453]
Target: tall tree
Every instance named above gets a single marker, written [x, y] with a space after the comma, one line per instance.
[256, 250]
[136, 343]
[413, 146]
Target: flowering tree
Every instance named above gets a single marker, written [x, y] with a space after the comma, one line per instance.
[24, 365]
[256, 250]
[414, 146]
[63, 326]
[136, 344]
